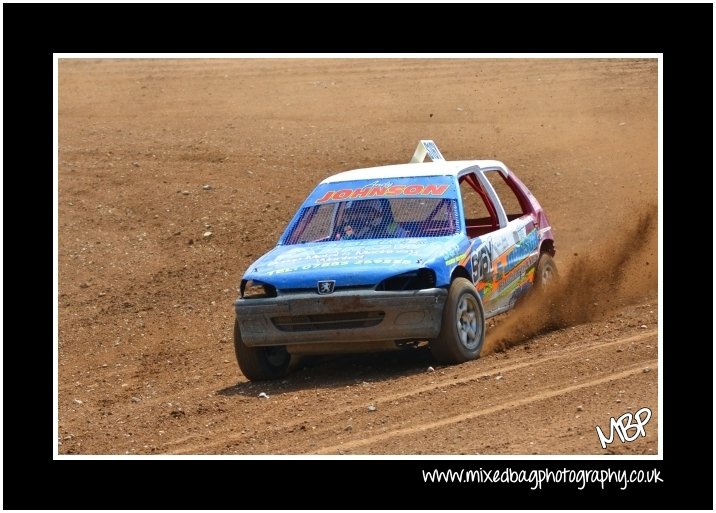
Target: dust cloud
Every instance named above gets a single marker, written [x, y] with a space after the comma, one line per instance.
[621, 269]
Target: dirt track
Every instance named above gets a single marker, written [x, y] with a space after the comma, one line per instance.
[146, 363]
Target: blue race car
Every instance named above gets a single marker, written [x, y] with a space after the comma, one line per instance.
[393, 257]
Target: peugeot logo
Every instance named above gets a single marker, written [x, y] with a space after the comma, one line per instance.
[326, 286]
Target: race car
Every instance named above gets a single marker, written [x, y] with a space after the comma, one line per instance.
[393, 257]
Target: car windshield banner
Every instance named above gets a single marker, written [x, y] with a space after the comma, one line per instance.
[411, 187]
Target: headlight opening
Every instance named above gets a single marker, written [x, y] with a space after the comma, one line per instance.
[253, 289]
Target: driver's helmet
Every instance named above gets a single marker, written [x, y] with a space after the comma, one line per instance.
[364, 213]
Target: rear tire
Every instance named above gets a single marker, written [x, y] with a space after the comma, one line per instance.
[462, 333]
[546, 275]
[260, 363]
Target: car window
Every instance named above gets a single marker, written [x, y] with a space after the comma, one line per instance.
[472, 202]
[480, 213]
[316, 222]
[510, 202]
[374, 219]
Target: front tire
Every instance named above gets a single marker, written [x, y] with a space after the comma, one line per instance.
[260, 363]
[462, 334]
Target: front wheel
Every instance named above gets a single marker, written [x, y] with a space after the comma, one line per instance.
[462, 333]
[260, 363]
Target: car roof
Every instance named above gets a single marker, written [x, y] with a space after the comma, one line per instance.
[443, 167]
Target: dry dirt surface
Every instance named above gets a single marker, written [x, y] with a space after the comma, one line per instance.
[174, 175]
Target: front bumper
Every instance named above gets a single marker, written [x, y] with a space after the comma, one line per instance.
[344, 317]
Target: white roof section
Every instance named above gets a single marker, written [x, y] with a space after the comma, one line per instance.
[438, 168]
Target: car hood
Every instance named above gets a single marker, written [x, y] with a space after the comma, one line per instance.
[349, 263]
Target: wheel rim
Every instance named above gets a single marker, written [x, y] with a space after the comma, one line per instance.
[276, 356]
[469, 322]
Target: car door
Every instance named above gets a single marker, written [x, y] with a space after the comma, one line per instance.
[502, 241]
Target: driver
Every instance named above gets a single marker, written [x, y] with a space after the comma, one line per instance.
[367, 219]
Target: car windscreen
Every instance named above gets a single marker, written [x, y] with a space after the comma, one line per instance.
[383, 218]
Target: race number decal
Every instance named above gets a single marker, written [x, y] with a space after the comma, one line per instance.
[481, 263]
[432, 150]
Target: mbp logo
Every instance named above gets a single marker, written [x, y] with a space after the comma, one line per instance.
[623, 425]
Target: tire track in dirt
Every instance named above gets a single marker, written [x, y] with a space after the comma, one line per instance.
[450, 380]
[542, 395]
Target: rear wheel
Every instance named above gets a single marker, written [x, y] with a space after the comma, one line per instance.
[462, 333]
[260, 363]
[546, 273]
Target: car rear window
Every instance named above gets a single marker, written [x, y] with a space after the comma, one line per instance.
[374, 219]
